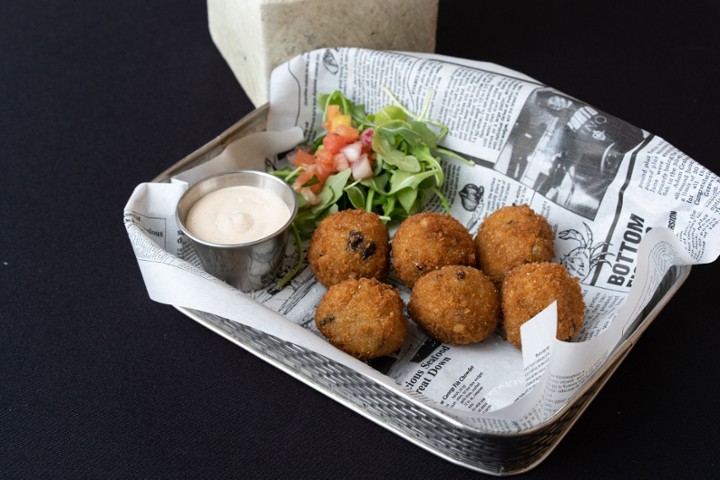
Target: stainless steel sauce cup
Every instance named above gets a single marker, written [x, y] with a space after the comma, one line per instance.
[246, 266]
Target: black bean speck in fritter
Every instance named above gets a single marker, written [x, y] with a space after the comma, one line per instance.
[355, 239]
[460, 275]
[326, 320]
[369, 250]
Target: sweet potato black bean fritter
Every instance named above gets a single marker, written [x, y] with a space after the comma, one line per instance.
[528, 289]
[427, 241]
[511, 236]
[363, 318]
[350, 244]
[455, 304]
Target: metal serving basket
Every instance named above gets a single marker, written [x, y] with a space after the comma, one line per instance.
[404, 414]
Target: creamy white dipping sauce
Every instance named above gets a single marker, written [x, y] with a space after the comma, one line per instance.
[239, 214]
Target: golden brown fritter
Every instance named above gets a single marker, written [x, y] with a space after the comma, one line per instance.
[362, 317]
[349, 244]
[427, 241]
[530, 288]
[455, 304]
[511, 236]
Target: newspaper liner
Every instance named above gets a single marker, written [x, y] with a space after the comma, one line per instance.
[624, 205]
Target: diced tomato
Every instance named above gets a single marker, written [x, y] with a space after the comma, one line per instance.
[331, 111]
[325, 160]
[303, 158]
[338, 122]
[341, 149]
[334, 142]
[335, 119]
[301, 180]
[348, 132]
[312, 177]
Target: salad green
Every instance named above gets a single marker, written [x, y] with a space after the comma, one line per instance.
[400, 170]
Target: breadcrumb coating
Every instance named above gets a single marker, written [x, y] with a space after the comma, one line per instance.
[456, 304]
[530, 288]
[511, 236]
[427, 241]
[362, 317]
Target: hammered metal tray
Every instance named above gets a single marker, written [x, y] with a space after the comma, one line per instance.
[403, 414]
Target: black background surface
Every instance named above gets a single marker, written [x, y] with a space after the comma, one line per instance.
[98, 381]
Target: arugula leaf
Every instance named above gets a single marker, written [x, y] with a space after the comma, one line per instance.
[356, 195]
[388, 113]
[426, 137]
[408, 199]
[402, 180]
[377, 183]
[389, 206]
[392, 155]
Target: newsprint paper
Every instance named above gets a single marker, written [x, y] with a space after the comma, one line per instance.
[624, 206]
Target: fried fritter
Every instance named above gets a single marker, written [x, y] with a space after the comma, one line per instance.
[349, 244]
[456, 304]
[427, 241]
[511, 236]
[530, 288]
[362, 317]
